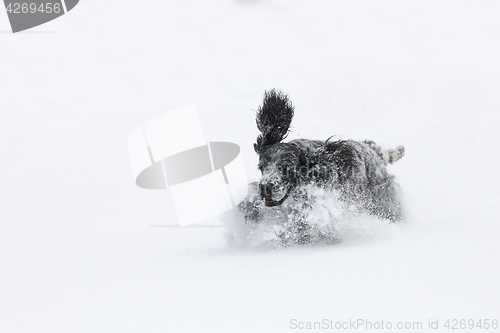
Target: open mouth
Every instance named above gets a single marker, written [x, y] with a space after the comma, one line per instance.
[271, 203]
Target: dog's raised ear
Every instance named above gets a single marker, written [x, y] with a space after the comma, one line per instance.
[273, 119]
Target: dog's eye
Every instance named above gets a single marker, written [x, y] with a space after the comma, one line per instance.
[287, 169]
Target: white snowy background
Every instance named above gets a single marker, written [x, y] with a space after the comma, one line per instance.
[82, 249]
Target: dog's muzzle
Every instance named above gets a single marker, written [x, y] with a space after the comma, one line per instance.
[266, 191]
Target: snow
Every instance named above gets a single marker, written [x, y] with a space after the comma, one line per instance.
[82, 249]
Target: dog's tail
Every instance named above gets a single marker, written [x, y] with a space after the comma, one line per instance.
[389, 156]
[392, 155]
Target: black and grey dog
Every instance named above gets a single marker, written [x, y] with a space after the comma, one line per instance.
[356, 171]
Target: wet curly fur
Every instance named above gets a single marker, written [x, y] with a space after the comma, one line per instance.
[354, 171]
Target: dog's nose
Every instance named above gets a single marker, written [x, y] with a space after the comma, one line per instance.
[266, 190]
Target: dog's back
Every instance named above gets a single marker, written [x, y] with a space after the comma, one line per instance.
[364, 179]
[358, 170]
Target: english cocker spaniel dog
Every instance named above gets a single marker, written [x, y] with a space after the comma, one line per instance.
[308, 185]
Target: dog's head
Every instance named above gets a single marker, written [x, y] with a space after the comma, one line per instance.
[280, 165]
[278, 162]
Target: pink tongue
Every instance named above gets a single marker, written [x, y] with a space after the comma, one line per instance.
[268, 200]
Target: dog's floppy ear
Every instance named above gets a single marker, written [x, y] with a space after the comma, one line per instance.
[273, 119]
